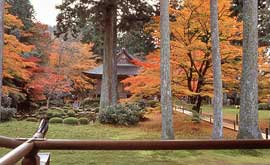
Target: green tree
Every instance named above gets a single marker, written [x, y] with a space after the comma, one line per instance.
[76, 15]
[24, 10]
[263, 21]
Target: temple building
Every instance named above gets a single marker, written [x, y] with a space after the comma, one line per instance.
[125, 68]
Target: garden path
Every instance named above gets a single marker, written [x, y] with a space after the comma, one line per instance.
[209, 119]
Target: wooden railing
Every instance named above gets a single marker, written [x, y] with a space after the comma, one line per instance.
[27, 149]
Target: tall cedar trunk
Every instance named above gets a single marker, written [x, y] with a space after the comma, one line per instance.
[248, 127]
[2, 7]
[116, 94]
[165, 86]
[217, 105]
[109, 77]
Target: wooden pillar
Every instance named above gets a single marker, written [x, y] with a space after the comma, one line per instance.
[31, 159]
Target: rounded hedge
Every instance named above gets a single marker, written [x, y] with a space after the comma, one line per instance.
[71, 121]
[71, 113]
[52, 114]
[32, 119]
[83, 121]
[121, 114]
[55, 120]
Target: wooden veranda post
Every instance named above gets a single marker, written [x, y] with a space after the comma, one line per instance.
[26, 149]
[32, 158]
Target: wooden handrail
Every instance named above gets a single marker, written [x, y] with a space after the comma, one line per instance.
[17, 154]
[26, 148]
[152, 145]
[9, 142]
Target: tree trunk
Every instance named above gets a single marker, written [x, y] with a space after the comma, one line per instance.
[218, 98]
[116, 94]
[2, 7]
[198, 102]
[248, 126]
[165, 86]
[48, 102]
[109, 77]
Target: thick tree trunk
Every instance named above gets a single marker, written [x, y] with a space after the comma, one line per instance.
[2, 7]
[248, 127]
[218, 98]
[109, 77]
[116, 94]
[165, 87]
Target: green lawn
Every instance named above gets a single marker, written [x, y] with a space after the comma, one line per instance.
[97, 131]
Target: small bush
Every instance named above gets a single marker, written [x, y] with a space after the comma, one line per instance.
[71, 113]
[152, 103]
[55, 113]
[71, 121]
[95, 110]
[264, 106]
[32, 119]
[122, 114]
[7, 113]
[56, 120]
[90, 102]
[83, 121]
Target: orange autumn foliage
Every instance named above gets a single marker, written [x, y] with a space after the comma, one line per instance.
[16, 69]
[62, 75]
[264, 77]
[191, 52]
[72, 58]
[48, 84]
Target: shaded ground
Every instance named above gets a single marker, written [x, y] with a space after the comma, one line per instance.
[183, 127]
[146, 130]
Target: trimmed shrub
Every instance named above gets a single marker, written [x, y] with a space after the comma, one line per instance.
[83, 121]
[7, 113]
[122, 114]
[152, 103]
[71, 121]
[95, 110]
[90, 101]
[56, 120]
[71, 113]
[55, 113]
[32, 119]
[49, 114]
